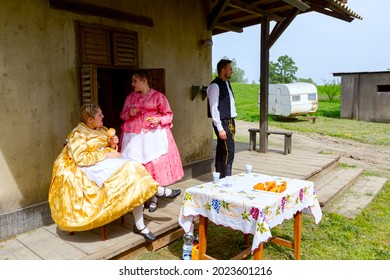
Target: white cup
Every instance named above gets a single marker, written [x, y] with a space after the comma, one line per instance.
[216, 177]
[248, 168]
[229, 181]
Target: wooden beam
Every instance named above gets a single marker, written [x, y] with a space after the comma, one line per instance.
[297, 4]
[280, 27]
[217, 13]
[229, 27]
[331, 13]
[252, 9]
[244, 254]
[329, 10]
[283, 242]
[80, 7]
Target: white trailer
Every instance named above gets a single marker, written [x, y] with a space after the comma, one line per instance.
[291, 100]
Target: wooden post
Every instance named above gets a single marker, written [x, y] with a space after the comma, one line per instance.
[264, 81]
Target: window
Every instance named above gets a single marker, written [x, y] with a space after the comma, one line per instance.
[312, 96]
[295, 98]
[102, 47]
[383, 88]
[107, 58]
[107, 47]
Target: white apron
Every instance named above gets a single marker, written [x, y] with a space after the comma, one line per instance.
[145, 147]
[102, 170]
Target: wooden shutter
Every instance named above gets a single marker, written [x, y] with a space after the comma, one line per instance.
[125, 49]
[89, 84]
[157, 77]
[95, 46]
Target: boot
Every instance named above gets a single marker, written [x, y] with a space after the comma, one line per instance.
[228, 170]
[220, 167]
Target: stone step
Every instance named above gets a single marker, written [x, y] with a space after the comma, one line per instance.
[331, 184]
[357, 197]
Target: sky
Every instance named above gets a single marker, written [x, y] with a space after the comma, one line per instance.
[319, 45]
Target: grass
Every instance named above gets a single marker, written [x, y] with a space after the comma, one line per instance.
[335, 237]
[328, 120]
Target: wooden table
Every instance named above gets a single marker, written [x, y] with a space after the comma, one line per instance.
[253, 212]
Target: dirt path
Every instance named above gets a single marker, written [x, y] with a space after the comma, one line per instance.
[372, 158]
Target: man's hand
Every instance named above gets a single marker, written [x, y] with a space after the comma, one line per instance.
[222, 134]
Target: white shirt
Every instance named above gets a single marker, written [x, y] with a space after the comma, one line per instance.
[213, 96]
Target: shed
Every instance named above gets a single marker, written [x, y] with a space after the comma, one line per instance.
[365, 96]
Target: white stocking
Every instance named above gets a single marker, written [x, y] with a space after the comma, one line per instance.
[154, 199]
[160, 191]
[138, 213]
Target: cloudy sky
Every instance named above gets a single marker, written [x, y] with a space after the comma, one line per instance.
[319, 45]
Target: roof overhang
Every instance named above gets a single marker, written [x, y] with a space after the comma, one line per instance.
[235, 15]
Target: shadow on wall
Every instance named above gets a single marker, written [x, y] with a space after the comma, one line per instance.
[28, 148]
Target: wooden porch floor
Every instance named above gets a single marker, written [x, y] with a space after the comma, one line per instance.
[50, 243]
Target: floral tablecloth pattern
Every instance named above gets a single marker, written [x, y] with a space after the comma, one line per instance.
[240, 207]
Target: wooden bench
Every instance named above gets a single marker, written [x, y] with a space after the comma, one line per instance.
[287, 139]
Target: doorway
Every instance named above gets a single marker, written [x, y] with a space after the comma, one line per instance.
[113, 87]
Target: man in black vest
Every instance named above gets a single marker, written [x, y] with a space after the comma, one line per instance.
[222, 109]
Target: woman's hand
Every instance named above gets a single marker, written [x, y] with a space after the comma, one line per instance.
[113, 155]
[154, 121]
[114, 141]
[133, 111]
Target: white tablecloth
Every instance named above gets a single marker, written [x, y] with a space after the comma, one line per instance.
[240, 207]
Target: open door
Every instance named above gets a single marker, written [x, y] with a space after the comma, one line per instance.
[88, 84]
[109, 87]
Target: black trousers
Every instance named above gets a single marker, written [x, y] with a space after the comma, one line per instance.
[225, 149]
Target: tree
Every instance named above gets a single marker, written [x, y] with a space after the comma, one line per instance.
[282, 71]
[331, 88]
[238, 73]
[306, 80]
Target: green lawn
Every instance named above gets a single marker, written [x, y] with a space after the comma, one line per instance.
[334, 238]
[328, 120]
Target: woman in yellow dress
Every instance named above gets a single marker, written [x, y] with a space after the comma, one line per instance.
[93, 185]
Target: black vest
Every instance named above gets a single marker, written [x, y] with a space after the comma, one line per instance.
[224, 99]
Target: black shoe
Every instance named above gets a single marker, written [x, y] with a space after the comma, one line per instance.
[148, 236]
[152, 206]
[173, 194]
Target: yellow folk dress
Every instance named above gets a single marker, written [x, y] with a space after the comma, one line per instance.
[77, 202]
